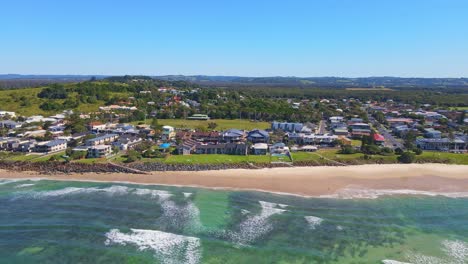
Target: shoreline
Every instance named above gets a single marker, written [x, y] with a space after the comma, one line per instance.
[300, 181]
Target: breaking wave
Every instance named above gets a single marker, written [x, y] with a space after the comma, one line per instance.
[255, 226]
[456, 251]
[361, 193]
[168, 248]
[313, 221]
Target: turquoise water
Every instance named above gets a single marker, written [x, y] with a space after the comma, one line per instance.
[76, 222]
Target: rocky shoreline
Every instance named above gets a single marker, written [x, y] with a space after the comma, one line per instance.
[54, 167]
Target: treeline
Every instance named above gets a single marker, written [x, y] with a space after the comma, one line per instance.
[445, 98]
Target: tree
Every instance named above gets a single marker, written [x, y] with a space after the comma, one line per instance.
[417, 151]
[132, 156]
[410, 137]
[407, 157]
[347, 149]
[398, 151]
[462, 117]
[75, 124]
[155, 124]
[370, 149]
[212, 125]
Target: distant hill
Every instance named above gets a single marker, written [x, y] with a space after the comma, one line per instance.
[18, 81]
[336, 82]
[13, 81]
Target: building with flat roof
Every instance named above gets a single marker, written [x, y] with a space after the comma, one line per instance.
[51, 146]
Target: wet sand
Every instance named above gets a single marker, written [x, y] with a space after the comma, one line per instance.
[306, 181]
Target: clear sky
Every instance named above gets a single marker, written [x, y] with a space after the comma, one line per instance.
[408, 38]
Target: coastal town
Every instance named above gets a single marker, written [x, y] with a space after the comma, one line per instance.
[377, 131]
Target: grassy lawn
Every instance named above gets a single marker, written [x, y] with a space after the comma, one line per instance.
[215, 159]
[91, 161]
[57, 155]
[459, 108]
[223, 124]
[452, 157]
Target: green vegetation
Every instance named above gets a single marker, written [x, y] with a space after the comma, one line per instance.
[221, 124]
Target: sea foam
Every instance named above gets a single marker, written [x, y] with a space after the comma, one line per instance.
[389, 261]
[24, 185]
[361, 193]
[168, 248]
[255, 226]
[313, 221]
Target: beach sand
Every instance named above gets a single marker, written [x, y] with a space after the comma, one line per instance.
[305, 181]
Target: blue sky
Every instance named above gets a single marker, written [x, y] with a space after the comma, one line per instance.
[408, 38]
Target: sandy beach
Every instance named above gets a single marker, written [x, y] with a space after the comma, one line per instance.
[306, 181]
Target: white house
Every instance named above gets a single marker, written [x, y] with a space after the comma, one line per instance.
[99, 151]
[7, 113]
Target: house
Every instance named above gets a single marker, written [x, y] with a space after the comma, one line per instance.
[395, 122]
[259, 149]
[9, 124]
[432, 133]
[341, 131]
[258, 136]
[187, 147]
[442, 144]
[35, 133]
[379, 139]
[353, 121]
[7, 113]
[127, 142]
[279, 148]
[3, 142]
[358, 133]
[199, 117]
[27, 146]
[232, 135]
[200, 136]
[336, 119]
[287, 127]
[100, 140]
[168, 133]
[13, 144]
[99, 151]
[401, 130]
[96, 126]
[222, 148]
[361, 126]
[51, 146]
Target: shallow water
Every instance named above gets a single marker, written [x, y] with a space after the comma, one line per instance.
[77, 222]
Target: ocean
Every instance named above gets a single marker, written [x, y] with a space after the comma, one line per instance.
[44, 221]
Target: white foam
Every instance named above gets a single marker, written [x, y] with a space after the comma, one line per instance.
[283, 205]
[112, 190]
[255, 226]
[162, 195]
[60, 192]
[169, 248]
[389, 261]
[339, 228]
[24, 185]
[187, 194]
[457, 250]
[361, 193]
[423, 259]
[244, 212]
[313, 221]
[3, 182]
[178, 215]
